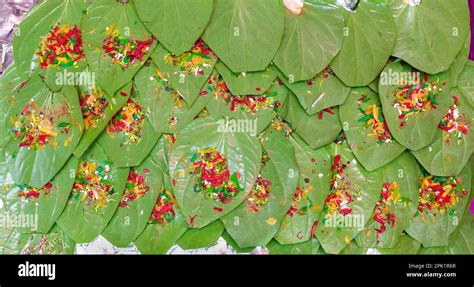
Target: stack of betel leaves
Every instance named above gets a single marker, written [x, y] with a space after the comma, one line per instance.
[312, 128]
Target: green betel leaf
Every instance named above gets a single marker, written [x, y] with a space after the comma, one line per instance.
[229, 240]
[129, 136]
[45, 128]
[245, 34]
[165, 226]
[466, 82]
[442, 201]
[368, 43]
[161, 152]
[252, 83]
[54, 242]
[460, 62]
[256, 221]
[398, 201]
[48, 25]
[302, 248]
[41, 206]
[98, 108]
[323, 91]
[202, 237]
[251, 112]
[313, 187]
[431, 33]
[233, 156]
[311, 40]
[108, 29]
[10, 84]
[143, 186]
[453, 143]
[354, 249]
[96, 194]
[464, 241]
[164, 106]
[188, 72]
[176, 23]
[413, 103]
[366, 129]
[348, 207]
[405, 245]
[316, 130]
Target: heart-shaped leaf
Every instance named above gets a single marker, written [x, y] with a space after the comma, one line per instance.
[460, 62]
[366, 129]
[466, 82]
[316, 130]
[253, 83]
[405, 245]
[129, 136]
[303, 248]
[311, 40]
[368, 43]
[464, 241]
[202, 237]
[49, 39]
[176, 23]
[257, 219]
[413, 103]
[96, 194]
[398, 201]
[442, 201]
[430, 33]
[453, 143]
[98, 108]
[255, 112]
[323, 91]
[10, 85]
[313, 187]
[116, 43]
[237, 155]
[143, 186]
[42, 205]
[45, 129]
[188, 72]
[165, 226]
[163, 105]
[54, 242]
[238, 30]
[230, 241]
[354, 193]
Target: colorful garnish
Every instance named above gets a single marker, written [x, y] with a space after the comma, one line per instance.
[163, 211]
[125, 51]
[193, 62]
[93, 106]
[214, 178]
[250, 103]
[383, 213]
[417, 97]
[301, 202]
[259, 194]
[92, 184]
[62, 47]
[129, 121]
[373, 119]
[439, 194]
[28, 192]
[135, 188]
[339, 197]
[454, 124]
[34, 129]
